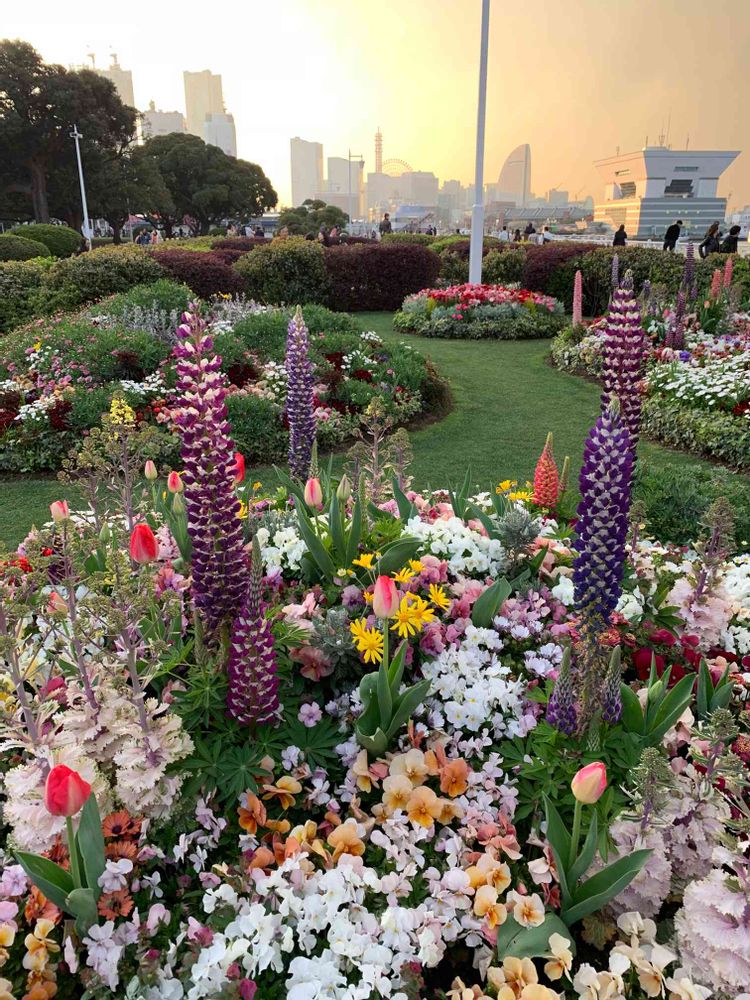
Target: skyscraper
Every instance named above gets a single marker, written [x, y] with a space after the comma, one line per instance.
[514, 182]
[121, 78]
[378, 151]
[346, 177]
[218, 130]
[203, 97]
[307, 169]
[155, 122]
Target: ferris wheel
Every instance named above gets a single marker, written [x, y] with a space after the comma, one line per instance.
[394, 167]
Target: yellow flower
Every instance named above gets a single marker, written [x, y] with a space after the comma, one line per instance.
[403, 575]
[257, 486]
[121, 413]
[365, 560]
[242, 510]
[412, 616]
[416, 565]
[439, 598]
[8, 934]
[369, 598]
[521, 495]
[284, 790]
[396, 791]
[369, 641]
[422, 806]
[38, 946]
[561, 958]
[506, 485]
[37, 344]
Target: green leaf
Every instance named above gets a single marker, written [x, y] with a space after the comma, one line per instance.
[376, 744]
[368, 693]
[632, 713]
[82, 905]
[705, 690]
[559, 840]
[52, 880]
[408, 704]
[385, 700]
[294, 488]
[337, 532]
[91, 844]
[396, 669]
[583, 862]
[489, 602]
[355, 533]
[515, 941]
[316, 548]
[595, 892]
[671, 708]
[395, 554]
[406, 508]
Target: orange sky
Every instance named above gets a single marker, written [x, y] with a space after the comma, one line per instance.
[574, 78]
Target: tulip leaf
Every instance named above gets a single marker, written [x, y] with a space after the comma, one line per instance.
[632, 713]
[396, 669]
[406, 508]
[515, 941]
[52, 880]
[583, 862]
[294, 488]
[489, 603]
[410, 701]
[595, 892]
[316, 548]
[559, 840]
[355, 533]
[82, 904]
[90, 842]
[671, 708]
[337, 532]
[395, 554]
[375, 744]
[385, 700]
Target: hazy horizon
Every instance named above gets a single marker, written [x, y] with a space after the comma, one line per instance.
[575, 81]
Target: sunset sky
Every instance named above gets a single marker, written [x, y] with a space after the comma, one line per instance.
[574, 78]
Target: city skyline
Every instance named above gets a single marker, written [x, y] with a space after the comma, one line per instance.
[333, 73]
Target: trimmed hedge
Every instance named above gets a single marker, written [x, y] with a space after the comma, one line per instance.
[60, 241]
[20, 284]
[418, 239]
[285, 271]
[206, 273]
[97, 274]
[244, 243]
[378, 276]
[17, 248]
[715, 434]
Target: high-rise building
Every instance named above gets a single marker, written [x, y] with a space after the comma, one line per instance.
[378, 151]
[648, 190]
[203, 97]
[514, 182]
[423, 187]
[557, 197]
[219, 130]
[154, 122]
[345, 185]
[121, 78]
[307, 169]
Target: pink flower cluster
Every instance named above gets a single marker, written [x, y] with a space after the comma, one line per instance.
[469, 296]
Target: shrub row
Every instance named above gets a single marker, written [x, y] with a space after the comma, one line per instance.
[17, 248]
[58, 241]
[715, 434]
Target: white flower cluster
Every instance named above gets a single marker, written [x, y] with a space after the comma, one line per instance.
[357, 359]
[472, 690]
[274, 378]
[151, 385]
[718, 384]
[370, 337]
[10, 385]
[37, 411]
[281, 548]
[468, 552]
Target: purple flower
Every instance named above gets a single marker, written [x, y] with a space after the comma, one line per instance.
[300, 402]
[625, 344]
[253, 695]
[219, 566]
[309, 714]
[561, 710]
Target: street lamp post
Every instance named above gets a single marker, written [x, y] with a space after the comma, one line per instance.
[477, 211]
[77, 136]
[349, 199]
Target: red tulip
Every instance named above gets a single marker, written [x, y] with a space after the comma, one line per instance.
[174, 483]
[143, 545]
[313, 493]
[65, 792]
[589, 784]
[385, 598]
[239, 467]
[59, 511]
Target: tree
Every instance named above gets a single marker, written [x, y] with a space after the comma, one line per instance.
[39, 103]
[128, 182]
[311, 215]
[206, 185]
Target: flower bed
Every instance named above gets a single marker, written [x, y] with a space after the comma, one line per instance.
[57, 377]
[480, 311]
[302, 743]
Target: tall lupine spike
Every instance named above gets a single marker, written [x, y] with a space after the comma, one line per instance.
[300, 401]
[625, 346]
[678, 335]
[646, 296]
[546, 479]
[716, 283]
[615, 276]
[578, 299]
[219, 565]
[728, 273]
[611, 697]
[688, 274]
[253, 695]
[561, 709]
[565, 475]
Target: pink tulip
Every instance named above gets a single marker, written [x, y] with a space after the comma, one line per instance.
[149, 471]
[59, 511]
[385, 598]
[174, 483]
[313, 493]
[143, 545]
[589, 784]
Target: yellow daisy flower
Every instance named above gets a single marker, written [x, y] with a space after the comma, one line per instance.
[439, 597]
[506, 485]
[369, 641]
[403, 575]
[520, 495]
[412, 615]
[365, 560]
[417, 565]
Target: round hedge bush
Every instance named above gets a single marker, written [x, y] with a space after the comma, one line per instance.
[60, 241]
[17, 248]
[290, 270]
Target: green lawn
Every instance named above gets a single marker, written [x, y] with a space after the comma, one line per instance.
[506, 398]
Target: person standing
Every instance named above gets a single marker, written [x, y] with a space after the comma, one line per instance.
[385, 225]
[504, 236]
[620, 237]
[672, 235]
[529, 230]
[729, 244]
[517, 236]
[710, 242]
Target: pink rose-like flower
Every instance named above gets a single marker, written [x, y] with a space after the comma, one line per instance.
[589, 784]
[385, 597]
[59, 511]
[314, 493]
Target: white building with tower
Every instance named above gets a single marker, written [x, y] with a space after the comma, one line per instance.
[307, 169]
[648, 190]
[219, 130]
[156, 122]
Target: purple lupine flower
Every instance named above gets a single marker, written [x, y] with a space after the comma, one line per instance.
[611, 696]
[625, 345]
[602, 526]
[689, 280]
[561, 710]
[678, 333]
[253, 695]
[219, 566]
[300, 403]
[615, 275]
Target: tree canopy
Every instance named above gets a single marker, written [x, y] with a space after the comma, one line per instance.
[311, 215]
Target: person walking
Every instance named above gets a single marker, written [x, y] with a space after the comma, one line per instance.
[385, 225]
[620, 237]
[729, 244]
[529, 230]
[517, 236]
[672, 235]
[710, 242]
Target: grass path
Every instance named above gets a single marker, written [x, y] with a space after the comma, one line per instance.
[506, 398]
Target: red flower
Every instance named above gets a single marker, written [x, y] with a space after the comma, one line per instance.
[143, 545]
[239, 467]
[662, 637]
[642, 662]
[65, 792]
